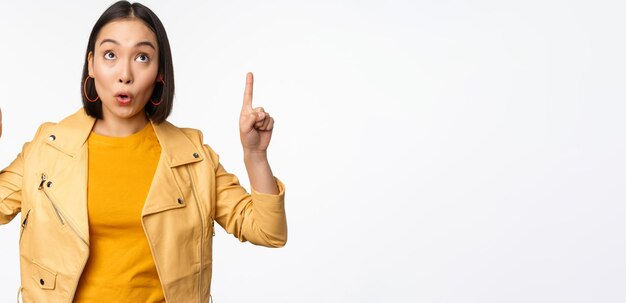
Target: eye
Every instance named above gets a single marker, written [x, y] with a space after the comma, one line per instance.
[142, 58]
[109, 55]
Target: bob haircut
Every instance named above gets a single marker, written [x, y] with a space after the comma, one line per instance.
[164, 93]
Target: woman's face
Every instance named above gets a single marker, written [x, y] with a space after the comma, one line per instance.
[124, 66]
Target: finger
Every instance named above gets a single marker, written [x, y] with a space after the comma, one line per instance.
[248, 122]
[260, 116]
[263, 123]
[259, 109]
[270, 125]
[266, 122]
[247, 94]
[259, 124]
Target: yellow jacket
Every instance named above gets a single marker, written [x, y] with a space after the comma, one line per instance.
[47, 183]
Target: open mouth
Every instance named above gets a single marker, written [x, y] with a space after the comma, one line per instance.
[123, 98]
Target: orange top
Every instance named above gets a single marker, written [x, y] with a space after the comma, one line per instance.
[120, 267]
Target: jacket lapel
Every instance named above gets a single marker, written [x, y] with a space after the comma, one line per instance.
[69, 173]
[171, 186]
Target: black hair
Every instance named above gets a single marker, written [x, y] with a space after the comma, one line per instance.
[162, 92]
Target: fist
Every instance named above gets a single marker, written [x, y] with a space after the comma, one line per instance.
[255, 124]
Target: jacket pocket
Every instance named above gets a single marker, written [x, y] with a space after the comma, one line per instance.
[44, 277]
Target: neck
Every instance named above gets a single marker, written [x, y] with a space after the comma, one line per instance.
[112, 127]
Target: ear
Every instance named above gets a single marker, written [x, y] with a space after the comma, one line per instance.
[90, 64]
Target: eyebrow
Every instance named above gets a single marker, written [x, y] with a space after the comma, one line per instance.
[147, 43]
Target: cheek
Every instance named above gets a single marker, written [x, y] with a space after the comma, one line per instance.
[147, 80]
[102, 72]
[102, 80]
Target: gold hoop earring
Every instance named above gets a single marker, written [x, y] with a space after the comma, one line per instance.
[85, 90]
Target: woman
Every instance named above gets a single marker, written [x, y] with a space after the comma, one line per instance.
[117, 204]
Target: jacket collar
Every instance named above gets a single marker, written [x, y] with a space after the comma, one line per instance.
[69, 135]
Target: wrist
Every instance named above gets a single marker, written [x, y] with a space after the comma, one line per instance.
[250, 155]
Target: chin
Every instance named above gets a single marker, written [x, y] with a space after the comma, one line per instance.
[124, 112]
[130, 113]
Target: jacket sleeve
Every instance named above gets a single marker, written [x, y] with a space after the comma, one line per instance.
[11, 183]
[11, 190]
[257, 217]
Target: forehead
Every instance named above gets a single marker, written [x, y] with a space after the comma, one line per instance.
[127, 32]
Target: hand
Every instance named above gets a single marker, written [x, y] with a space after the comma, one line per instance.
[255, 125]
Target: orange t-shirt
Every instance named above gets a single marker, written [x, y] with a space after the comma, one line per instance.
[120, 267]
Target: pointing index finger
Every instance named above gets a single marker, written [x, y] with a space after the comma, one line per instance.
[247, 95]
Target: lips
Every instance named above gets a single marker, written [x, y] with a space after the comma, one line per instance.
[123, 98]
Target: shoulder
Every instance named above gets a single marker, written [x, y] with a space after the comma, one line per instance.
[69, 134]
[77, 123]
[43, 129]
[172, 131]
[195, 136]
[169, 130]
[38, 139]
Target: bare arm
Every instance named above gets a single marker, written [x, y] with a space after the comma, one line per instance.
[260, 173]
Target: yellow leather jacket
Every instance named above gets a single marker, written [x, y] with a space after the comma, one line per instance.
[47, 183]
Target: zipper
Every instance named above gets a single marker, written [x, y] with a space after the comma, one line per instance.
[42, 188]
[60, 216]
[24, 222]
[193, 190]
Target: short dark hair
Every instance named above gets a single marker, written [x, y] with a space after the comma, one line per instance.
[124, 10]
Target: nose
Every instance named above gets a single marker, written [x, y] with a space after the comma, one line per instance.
[124, 80]
[126, 76]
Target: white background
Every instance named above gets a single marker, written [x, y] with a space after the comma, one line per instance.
[433, 151]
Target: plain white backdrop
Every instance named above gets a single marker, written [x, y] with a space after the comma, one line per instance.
[433, 151]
